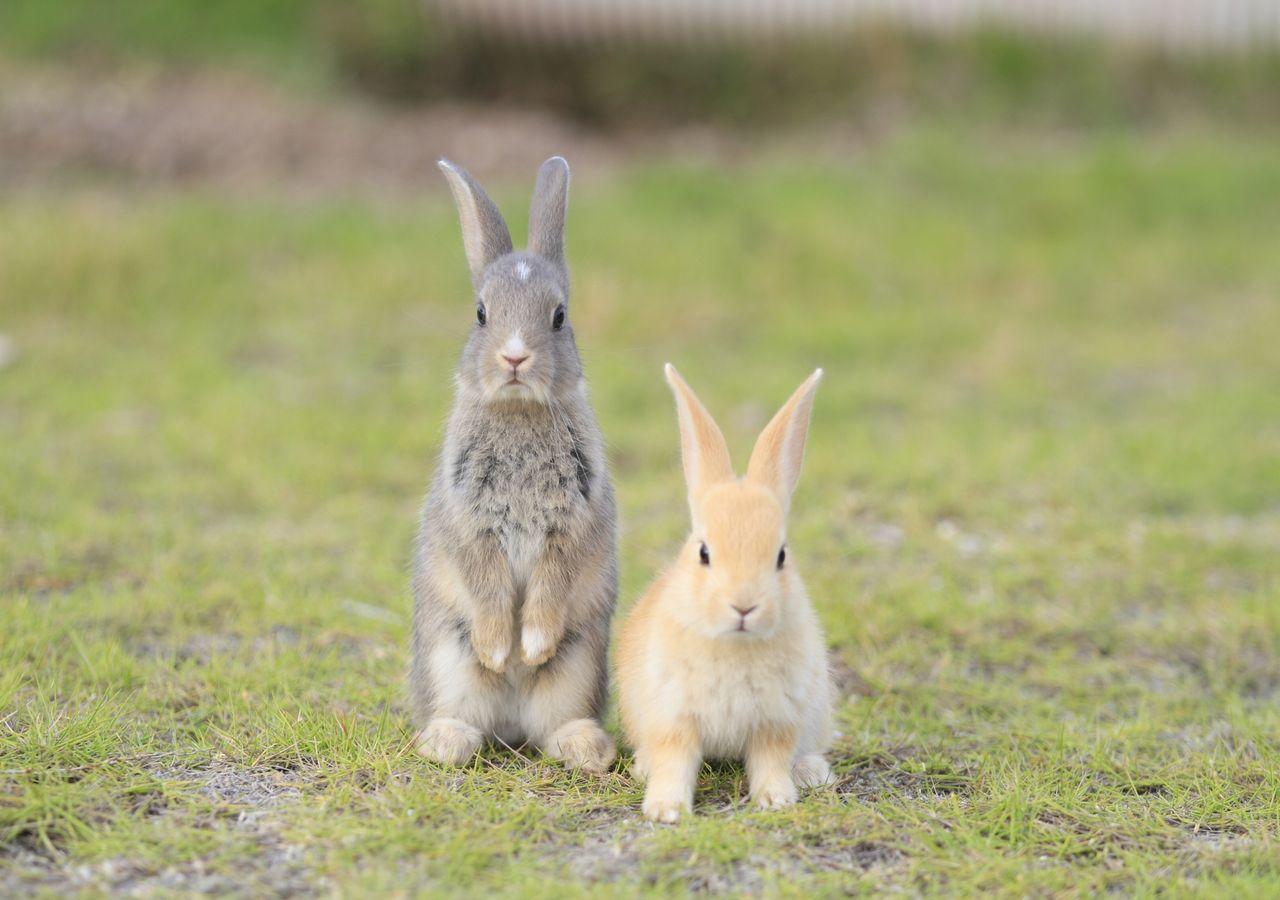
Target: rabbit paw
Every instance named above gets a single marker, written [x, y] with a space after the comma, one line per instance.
[666, 810]
[449, 741]
[492, 648]
[776, 796]
[536, 645]
[811, 771]
[583, 744]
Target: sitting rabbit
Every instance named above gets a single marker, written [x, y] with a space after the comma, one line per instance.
[723, 657]
[515, 568]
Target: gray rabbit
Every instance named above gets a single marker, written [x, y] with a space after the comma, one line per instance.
[515, 565]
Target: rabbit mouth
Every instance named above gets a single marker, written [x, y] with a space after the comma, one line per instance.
[514, 389]
[515, 386]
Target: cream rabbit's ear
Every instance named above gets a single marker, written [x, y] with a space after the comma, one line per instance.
[702, 446]
[485, 236]
[779, 451]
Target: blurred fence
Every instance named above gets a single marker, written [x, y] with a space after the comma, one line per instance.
[1174, 24]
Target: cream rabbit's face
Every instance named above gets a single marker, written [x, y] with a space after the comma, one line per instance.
[736, 562]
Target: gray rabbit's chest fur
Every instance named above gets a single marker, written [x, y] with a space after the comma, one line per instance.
[529, 477]
[520, 480]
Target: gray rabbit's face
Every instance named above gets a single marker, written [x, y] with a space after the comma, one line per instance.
[521, 347]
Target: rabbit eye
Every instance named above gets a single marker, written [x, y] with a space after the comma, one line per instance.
[782, 555]
[704, 555]
[557, 318]
[482, 315]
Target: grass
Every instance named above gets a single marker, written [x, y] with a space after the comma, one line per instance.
[1040, 518]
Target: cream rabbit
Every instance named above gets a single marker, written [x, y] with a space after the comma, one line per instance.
[723, 656]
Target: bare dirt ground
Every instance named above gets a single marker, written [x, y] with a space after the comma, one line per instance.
[232, 799]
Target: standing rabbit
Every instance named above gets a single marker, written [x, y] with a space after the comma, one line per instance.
[723, 657]
[515, 565]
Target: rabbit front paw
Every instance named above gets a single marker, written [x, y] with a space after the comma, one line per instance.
[664, 809]
[492, 645]
[776, 796]
[537, 645]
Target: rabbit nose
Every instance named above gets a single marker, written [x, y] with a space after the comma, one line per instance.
[743, 612]
[515, 361]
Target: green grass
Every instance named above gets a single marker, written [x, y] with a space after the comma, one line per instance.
[1040, 518]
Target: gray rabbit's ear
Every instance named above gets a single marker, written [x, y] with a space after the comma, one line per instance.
[546, 214]
[484, 232]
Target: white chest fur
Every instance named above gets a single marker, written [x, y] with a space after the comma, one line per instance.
[745, 690]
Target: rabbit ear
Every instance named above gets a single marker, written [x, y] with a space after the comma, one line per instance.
[702, 446]
[779, 451]
[484, 232]
[547, 212]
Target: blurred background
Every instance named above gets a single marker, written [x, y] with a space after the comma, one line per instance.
[327, 94]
